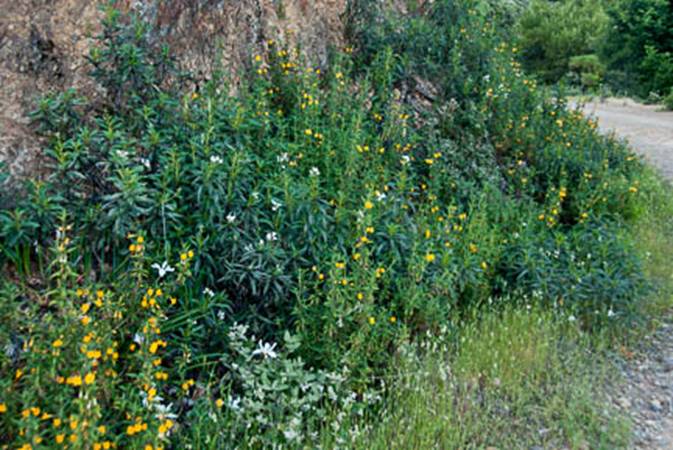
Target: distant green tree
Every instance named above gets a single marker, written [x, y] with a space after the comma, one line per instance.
[638, 46]
[551, 33]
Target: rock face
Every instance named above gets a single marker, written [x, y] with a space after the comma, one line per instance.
[43, 44]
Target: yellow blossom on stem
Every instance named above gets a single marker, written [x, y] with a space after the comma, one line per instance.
[90, 378]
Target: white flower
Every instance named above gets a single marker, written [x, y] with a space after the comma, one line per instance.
[380, 196]
[216, 159]
[611, 313]
[290, 434]
[146, 162]
[314, 172]
[405, 159]
[11, 350]
[271, 236]
[266, 350]
[571, 318]
[163, 269]
[209, 292]
[221, 315]
[255, 195]
[275, 205]
[238, 331]
[123, 154]
[164, 412]
[138, 339]
[283, 158]
[235, 403]
[231, 217]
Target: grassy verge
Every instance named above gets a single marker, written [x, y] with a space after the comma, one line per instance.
[516, 378]
[653, 233]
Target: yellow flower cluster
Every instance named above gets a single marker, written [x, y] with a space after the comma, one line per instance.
[137, 246]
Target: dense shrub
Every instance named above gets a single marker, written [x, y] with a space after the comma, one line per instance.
[631, 43]
[588, 70]
[330, 212]
[552, 33]
[639, 42]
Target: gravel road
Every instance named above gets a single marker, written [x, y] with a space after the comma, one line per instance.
[646, 127]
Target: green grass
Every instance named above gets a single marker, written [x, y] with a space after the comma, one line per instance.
[653, 231]
[512, 379]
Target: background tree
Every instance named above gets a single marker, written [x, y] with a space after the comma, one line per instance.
[638, 45]
[551, 33]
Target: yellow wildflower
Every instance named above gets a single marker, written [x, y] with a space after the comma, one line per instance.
[74, 380]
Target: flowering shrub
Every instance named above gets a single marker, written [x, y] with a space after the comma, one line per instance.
[90, 373]
[326, 211]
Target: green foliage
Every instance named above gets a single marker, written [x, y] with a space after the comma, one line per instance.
[656, 70]
[271, 398]
[552, 33]
[668, 100]
[588, 70]
[639, 43]
[590, 271]
[649, 232]
[333, 213]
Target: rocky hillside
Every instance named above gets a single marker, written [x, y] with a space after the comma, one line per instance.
[44, 43]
